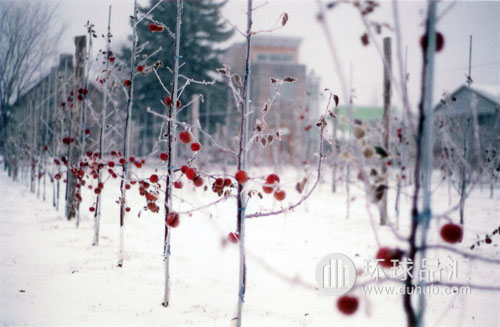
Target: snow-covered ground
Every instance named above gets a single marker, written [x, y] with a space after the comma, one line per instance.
[51, 275]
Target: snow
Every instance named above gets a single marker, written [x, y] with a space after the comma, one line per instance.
[51, 275]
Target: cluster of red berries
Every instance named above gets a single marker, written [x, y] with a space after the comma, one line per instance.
[67, 140]
[186, 138]
[192, 175]
[150, 192]
[155, 28]
[439, 42]
[272, 184]
[82, 93]
[219, 185]
[168, 102]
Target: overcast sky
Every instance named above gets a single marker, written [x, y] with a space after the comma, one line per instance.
[464, 18]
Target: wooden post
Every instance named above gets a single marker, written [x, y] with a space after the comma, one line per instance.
[72, 203]
[387, 122]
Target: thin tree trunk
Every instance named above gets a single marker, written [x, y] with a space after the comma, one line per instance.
[72, 203]
[242, 165]
[126, 137]
[98, 205]
[171, 131]
[334, 153]
[423, 166]
[387, 124]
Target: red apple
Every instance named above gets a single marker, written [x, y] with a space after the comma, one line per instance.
[280, 195]
[451, 233]
[185, 137]
[388, 254]
[233, 237]
[241, 176]
[195, 147]
[173, 219]
[347, 304]
[164, 156]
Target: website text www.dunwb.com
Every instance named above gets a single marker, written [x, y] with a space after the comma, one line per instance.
[426, 290]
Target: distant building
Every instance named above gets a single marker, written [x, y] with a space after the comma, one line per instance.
[43, 101]
[295, 107]
[455, 126]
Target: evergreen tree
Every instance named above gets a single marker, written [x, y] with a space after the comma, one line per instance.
[202, 33]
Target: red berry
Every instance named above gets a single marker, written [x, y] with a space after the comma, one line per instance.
[219, 182]
[451, 233]
[91, 209]
[127, 186]
[387, 255]
[140, 68]
[164, 156]
[138, 164]
[227, 182]
[154, 178]
[153, 207]
[233, 237]
[241, 176]
[87, 131]
[185, 137]
[178, 184]
[159, 28]
[347, 304]
[191, 173]
[268, 189]
[178, 104]
[198, 181]
[168, 101]
[173, 219]
[279, 195]
[131, 159]
[195, 147]
[184, 168]
[439, 42]
[127, 82]
[152, 27]
[272, 178]
[127, 209]
[122, 161]
[111, 164]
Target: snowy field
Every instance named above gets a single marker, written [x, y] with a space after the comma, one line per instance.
[51, 275]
